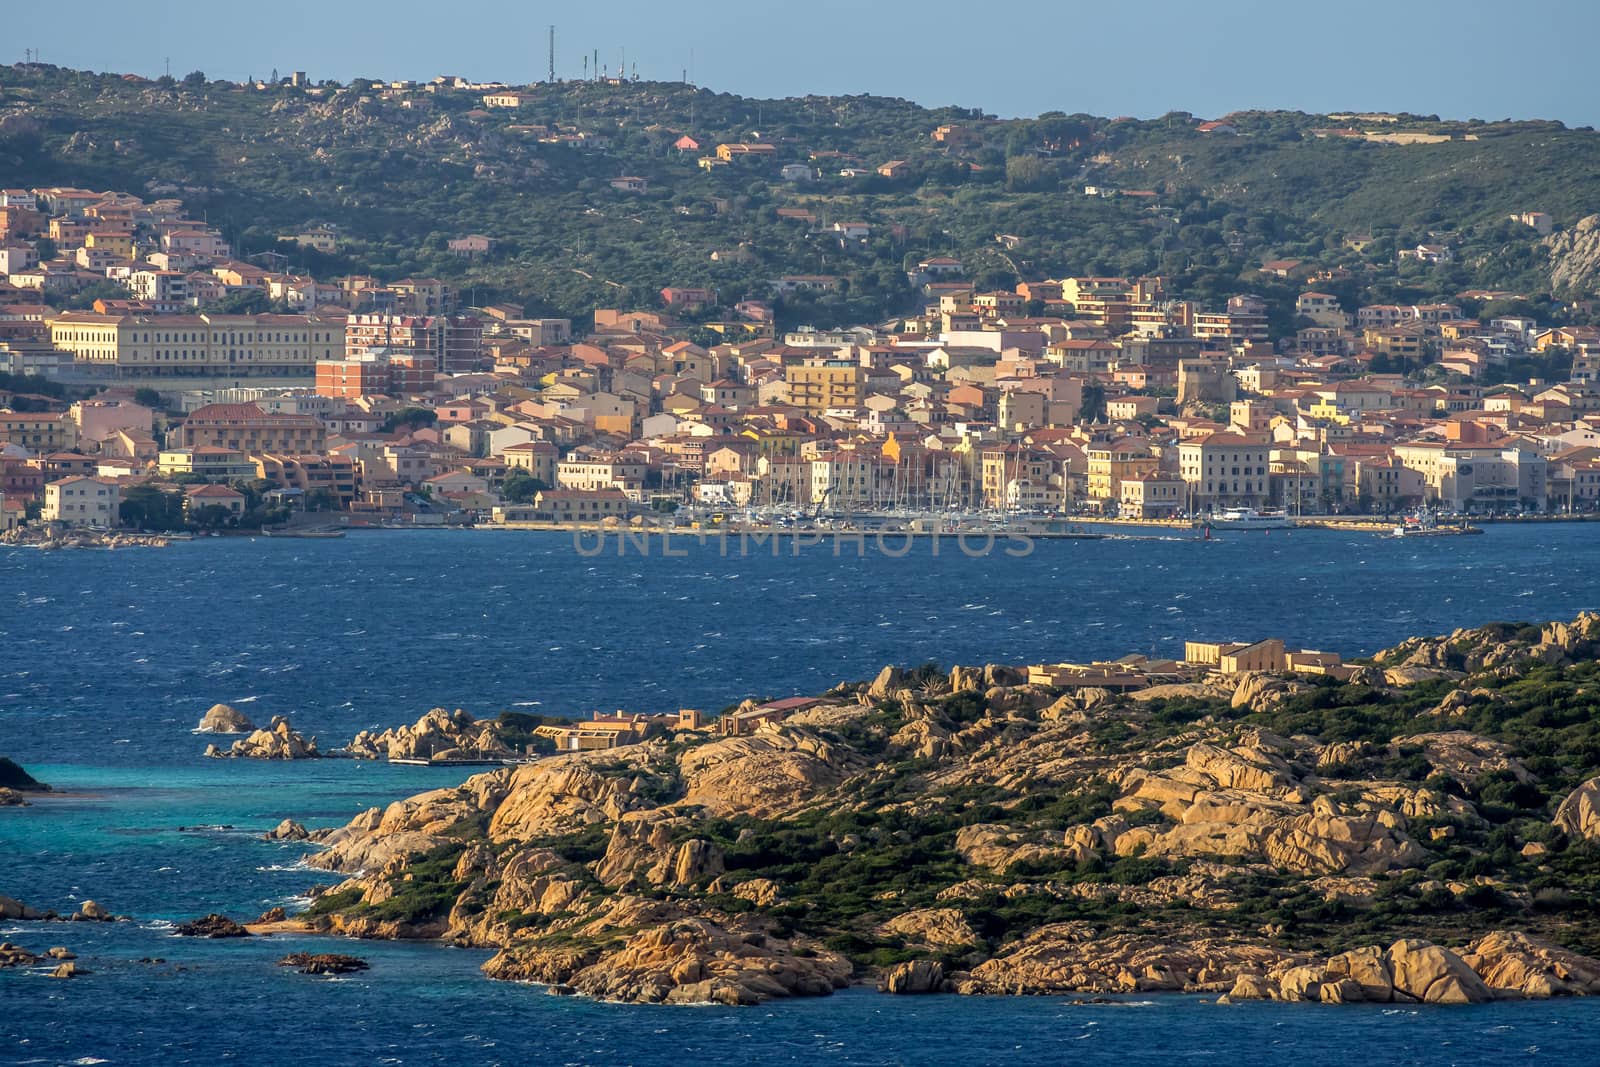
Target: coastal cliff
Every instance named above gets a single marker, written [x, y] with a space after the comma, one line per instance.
[1425, 830]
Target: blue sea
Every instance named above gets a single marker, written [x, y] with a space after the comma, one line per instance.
[108, 659]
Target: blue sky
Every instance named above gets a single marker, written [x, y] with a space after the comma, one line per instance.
[1460, 59]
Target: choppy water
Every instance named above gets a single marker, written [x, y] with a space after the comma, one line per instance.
[108, 659]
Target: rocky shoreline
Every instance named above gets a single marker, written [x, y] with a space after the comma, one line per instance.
[44, 537]
[1406, 835]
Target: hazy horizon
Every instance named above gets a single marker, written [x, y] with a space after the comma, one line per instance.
[1424, 57]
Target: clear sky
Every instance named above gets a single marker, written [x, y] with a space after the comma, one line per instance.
[1486, 59]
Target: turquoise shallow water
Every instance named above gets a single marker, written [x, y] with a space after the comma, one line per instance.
[108, 659]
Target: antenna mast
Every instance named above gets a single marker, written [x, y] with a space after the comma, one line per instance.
[551, 77]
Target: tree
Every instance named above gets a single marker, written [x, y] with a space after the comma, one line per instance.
[520, 487]
[414, 418]
[249, 302]
[147, 508]
[195, 79]
[213, 517]
[145, 396]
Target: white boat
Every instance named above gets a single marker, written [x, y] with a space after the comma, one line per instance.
[1251, 519]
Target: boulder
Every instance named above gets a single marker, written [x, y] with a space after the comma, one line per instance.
[287, 830]
[965, 678]
[1251, 987]
[888, 680]
[10, 798]
[935, 927]
[1260, 691]
[67, 970]
[16, 909]
[1404, 675]
[1301, 983]
[1368, 968]
[1254, 771]
[223, 719]
[1579, 812]
[92, 912]
[762, 892]
[1340, 991]
[913, 976]
[998, 674]
[1424, 971]
[60, 953]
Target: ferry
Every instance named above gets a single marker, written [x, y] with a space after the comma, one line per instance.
[1251, 519]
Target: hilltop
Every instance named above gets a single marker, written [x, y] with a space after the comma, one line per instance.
[401, 170]
[1262, 834]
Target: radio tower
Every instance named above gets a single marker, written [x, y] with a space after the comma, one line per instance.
[551, 77]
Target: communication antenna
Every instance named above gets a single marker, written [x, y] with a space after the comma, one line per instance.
[551, 76]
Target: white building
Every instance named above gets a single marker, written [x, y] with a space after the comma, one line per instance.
[82, 501]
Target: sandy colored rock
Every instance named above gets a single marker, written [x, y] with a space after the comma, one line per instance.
[762, 892]
[763, 774]
[1510, 962]
[913, 976]
[224, 719]
[1434, 975]
[1579, 812]
[437, 734]
[280, 741]
[934, 927]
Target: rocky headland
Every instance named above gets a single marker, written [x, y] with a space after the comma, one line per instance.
[16, 784]
[1423, 831]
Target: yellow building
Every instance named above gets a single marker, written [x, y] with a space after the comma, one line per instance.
[1113, 462]
[1402, 341]
[168, 346]
[822, 387]
[1156, 495]
[118, 243]
[39, 432]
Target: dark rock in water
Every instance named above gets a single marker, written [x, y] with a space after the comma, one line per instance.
[14, 777]
[151, 959]
[13, 956]
[323, 963]
[16, 909]
[211, 926]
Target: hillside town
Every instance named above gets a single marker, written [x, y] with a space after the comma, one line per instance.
[400, 401]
